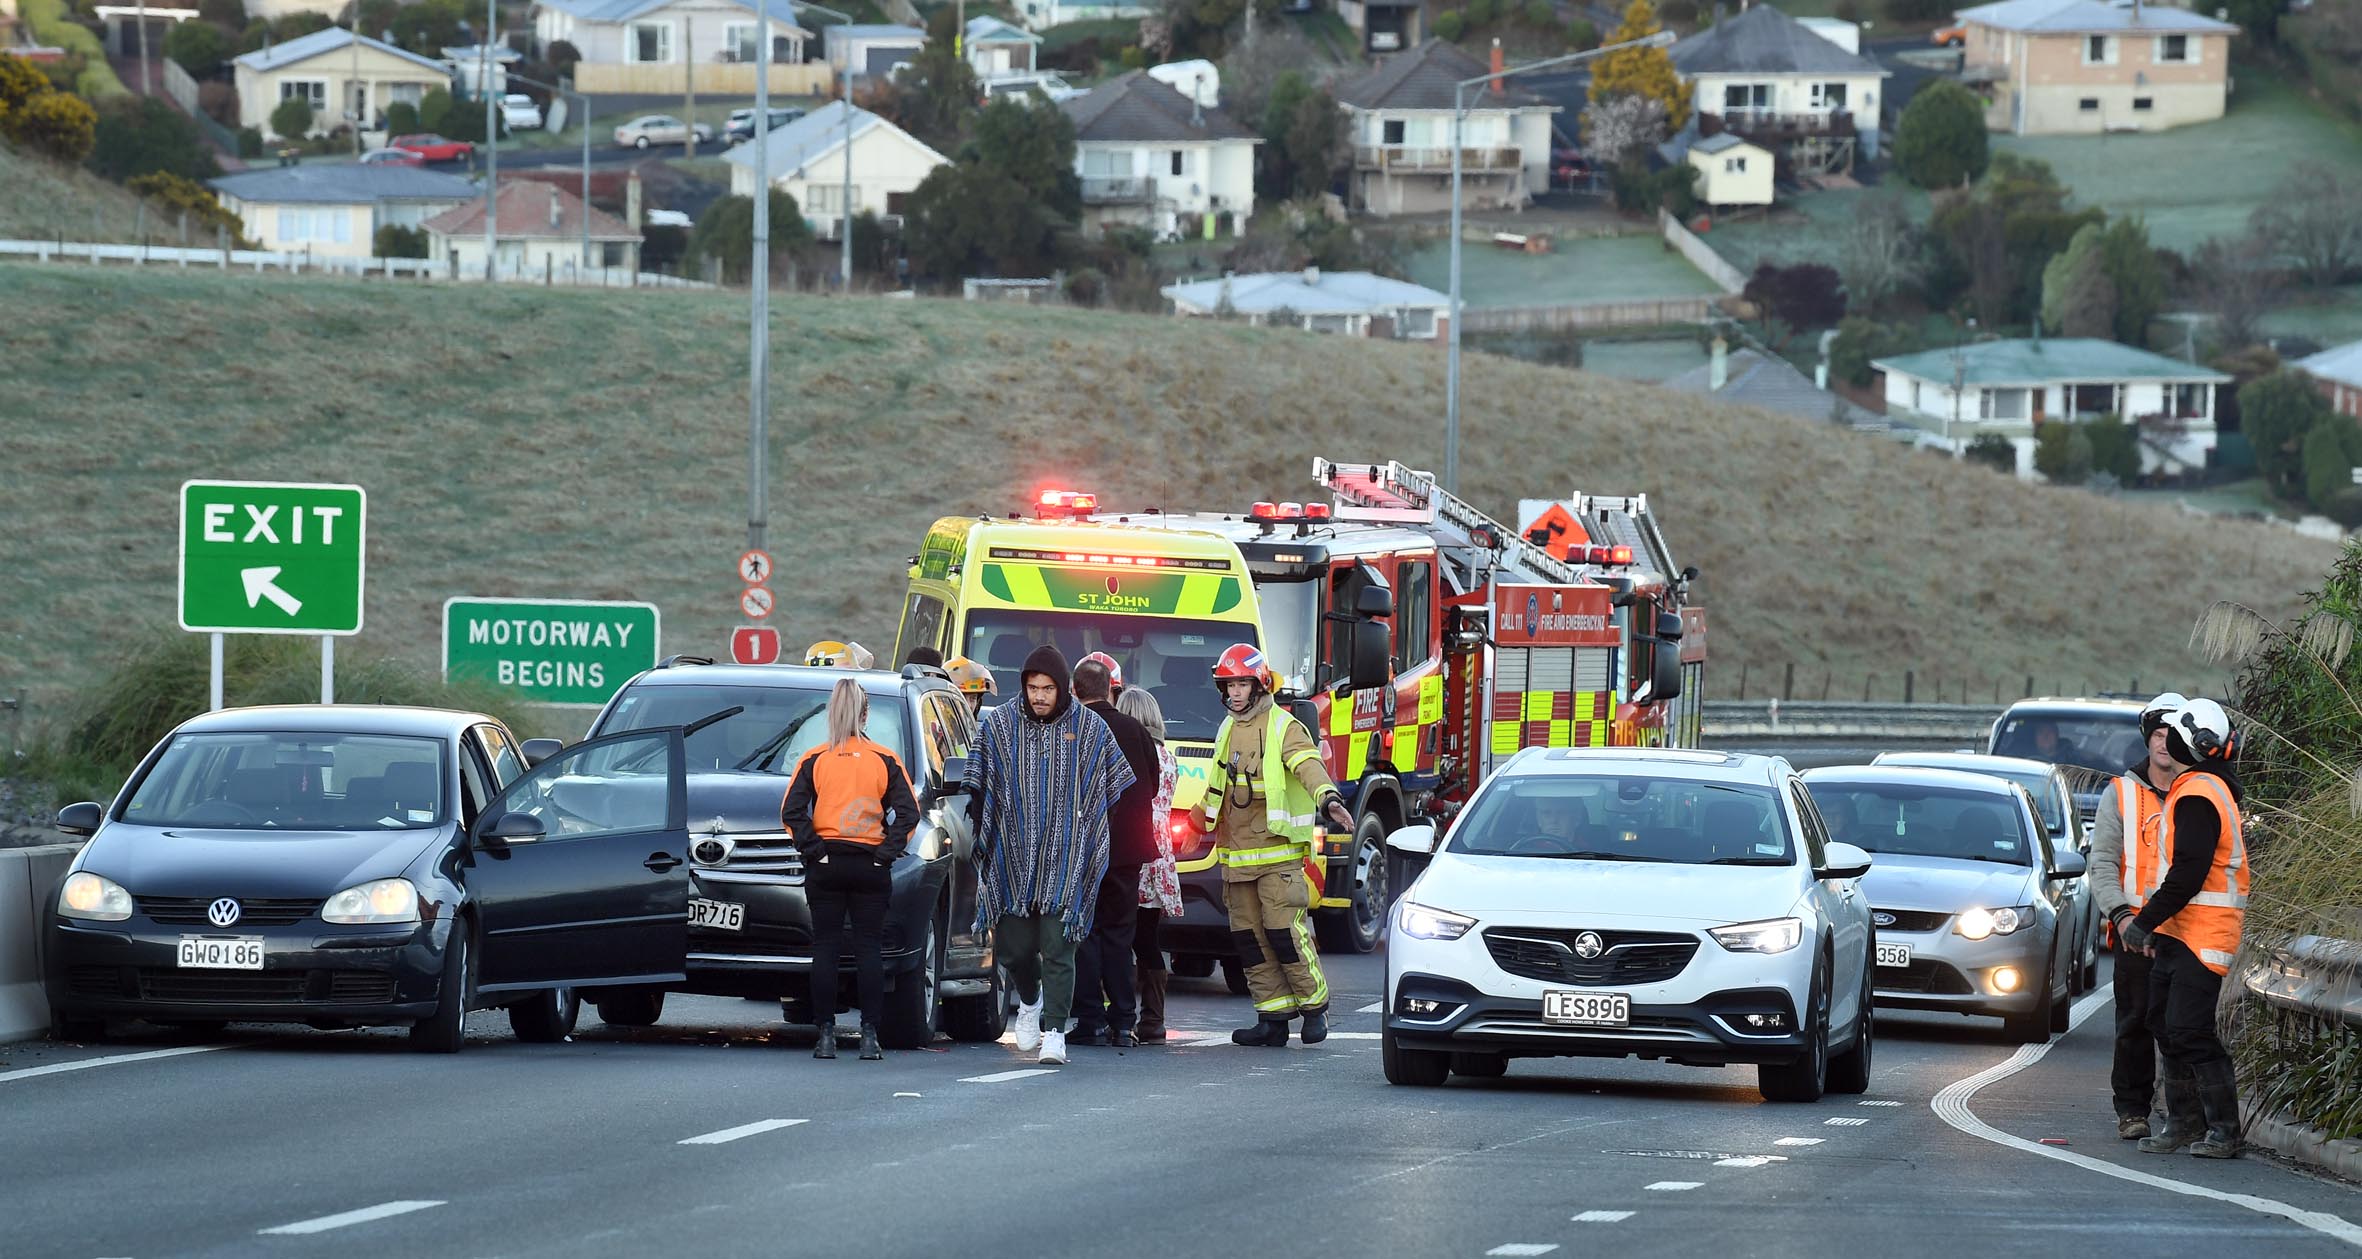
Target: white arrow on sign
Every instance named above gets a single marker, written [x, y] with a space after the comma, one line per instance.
[263, 583]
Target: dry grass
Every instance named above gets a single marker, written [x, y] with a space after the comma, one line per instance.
[593, 445]
[45, 200]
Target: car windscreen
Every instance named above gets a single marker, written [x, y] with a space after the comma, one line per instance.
[779, 724]
[2103, 742]
[2036, 782]
[293, 780]
[1625, 818]
[1917, 820]
[1173, 658]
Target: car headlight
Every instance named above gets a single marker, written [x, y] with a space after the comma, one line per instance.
[89, 897]
[1979, 923]
[382, 900]
[1773, 935]
[1434, 924]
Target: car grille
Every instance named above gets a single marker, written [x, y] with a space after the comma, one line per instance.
[290, 987]
[360, 986]
[1911, 920]
[189, 911]
[1631, 957]
[765, 854]
[95, 981]
[1936, 979]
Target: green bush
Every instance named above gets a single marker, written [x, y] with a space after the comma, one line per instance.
[199, 47]
[1582, 34]
[2330, 451]
[1940, 141]
[399, 242]
[2062, 453]
[2115, 448]
[55, 125]
[1481, 13]
[1860, 341]
[139, 134]
[1639, 190]
[401, 119]
[1540, 13]
[1450, 25]
[292, 119]
[51, 25]
[249, 142]
[1994, 451]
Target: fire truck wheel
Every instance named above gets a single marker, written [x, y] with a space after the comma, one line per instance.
[1357, 928]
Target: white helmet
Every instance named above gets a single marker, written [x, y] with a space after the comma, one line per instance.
[2202, 727]
[2154, 713]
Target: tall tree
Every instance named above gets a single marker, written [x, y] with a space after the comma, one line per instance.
[2276, 412]
[1881, 252]
[1033, 145]
[2310, 219]
[934, 96]
[2237, 281]
[1641, 71]
[1941, 141]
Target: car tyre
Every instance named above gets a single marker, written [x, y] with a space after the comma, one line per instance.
[546, 1017]
[2032, 1028]
[914, 1007]
[444, 1031]
[630, 1007]
[2062, 1010]
[75, 1029]
[1417, 1068]
[1480, 1066]
[1849, 1072]
[1193, 965]
[979, 1020]
[1234, 976]
[1806, 1077]
[1358, 927]
[640, 143]
[2091, 960]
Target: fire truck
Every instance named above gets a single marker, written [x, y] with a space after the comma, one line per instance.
[1423, 641]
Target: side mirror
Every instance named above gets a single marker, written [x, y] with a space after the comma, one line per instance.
[1372, 665]
[955, 773]
[514, 828]
[1669, 626]
[538, 750]
[1665, 671]
[1843, 861]
[2068, 865]
[80, 819]
[1417, 840]
[1374, 601]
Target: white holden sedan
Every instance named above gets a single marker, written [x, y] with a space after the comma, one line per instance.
[1685, 907]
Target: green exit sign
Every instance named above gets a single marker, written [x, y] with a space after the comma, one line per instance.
[272, 557]
[555, 651]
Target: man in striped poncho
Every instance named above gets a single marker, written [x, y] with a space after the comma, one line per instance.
[1042, 776]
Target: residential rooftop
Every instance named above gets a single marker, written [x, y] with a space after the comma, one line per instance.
[2079, 17]
[1759, 380]
[343, 183]
[526, 214]
[1311, 291]
[2025, 361]
[2340, 363]
[1132, 107]
[1764, 40]
[330, 39]
[809, 139]
[1425, 77]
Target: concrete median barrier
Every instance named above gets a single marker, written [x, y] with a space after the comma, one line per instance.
[27, 877]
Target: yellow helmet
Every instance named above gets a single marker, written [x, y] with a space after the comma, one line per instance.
[830, 652]
[970, 676]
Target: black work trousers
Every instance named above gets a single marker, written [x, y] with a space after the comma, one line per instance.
[2182, 997]
[1147, 954]
[1104, 994]
[840, 888]
[2134, 1079]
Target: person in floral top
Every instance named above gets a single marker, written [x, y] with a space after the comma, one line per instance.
[1160, 882]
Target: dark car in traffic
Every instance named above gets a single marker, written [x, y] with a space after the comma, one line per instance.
[344, 865]
[750, 929]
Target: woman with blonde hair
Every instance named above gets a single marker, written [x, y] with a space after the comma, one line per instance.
[851, 813]
[1160, 881]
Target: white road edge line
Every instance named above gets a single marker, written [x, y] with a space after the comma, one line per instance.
[345, 1219]
[1951, 1106]
[1003, 1077]
[1798, 1141]
[1674, 1186]
[109, 1061]
[1372, 1008]
[1523, 1248]
[1601, 1217]
[743, 1130]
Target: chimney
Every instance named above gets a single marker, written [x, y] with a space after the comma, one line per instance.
[1197, 96]
[557, 215]
[1718, 367]
[1498, 66]
[1312, 277]
[631, 201]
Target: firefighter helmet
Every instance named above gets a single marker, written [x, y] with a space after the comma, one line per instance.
[2154, 713]
[830, 652]
[971, 677]
[2200, 726]
[1244, 660]
[1115, 672]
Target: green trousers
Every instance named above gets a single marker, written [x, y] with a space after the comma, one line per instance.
[1041, 963]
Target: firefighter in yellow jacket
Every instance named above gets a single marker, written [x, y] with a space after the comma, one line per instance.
[1263, 794]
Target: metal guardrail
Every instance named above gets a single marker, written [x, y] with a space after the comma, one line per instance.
[1829, 719]
[2320, 976]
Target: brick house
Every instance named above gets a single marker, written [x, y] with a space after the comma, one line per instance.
[2054, 67]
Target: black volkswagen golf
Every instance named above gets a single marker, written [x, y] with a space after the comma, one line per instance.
[347, 865]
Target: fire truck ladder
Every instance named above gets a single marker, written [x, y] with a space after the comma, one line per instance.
[1391, 492]
[1626, 520]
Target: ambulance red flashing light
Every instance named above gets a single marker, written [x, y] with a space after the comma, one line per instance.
[1066, 503]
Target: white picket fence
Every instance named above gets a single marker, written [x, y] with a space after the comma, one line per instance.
[261, 260]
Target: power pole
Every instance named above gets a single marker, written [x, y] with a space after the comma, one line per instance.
[688, 91]
[758, 351]
[845, 210]
[491, 143]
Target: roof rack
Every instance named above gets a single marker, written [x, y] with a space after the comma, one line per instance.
[925, 671]
[675, 662]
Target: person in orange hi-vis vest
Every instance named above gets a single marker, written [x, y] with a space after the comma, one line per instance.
[2124, 865]
[2190, 928]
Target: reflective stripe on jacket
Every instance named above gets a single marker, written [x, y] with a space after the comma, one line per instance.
[2213, 920]
[2138, 809]
[1289, 804]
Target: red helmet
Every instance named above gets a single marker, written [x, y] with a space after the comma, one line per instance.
[1245, 660]
[1115, 672]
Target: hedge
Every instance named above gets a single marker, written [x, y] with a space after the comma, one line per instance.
[51, 26]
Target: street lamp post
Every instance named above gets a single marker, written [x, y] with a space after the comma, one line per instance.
[491, 142]
[1451, 382]
[586, 148]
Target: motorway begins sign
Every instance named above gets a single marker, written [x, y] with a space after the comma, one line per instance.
[271, 557]
[556, 651]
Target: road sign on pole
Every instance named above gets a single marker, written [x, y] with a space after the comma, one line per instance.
[754, 644]
[555, 651]
[754, 567]
[755, 601]
[272, 557]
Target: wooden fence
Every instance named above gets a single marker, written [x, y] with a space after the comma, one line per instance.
[1641, 313]
[1700, 254]
[714, 78]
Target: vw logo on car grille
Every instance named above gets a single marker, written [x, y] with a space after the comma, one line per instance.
[1882, 918]
[1588, 945]
[222, 913]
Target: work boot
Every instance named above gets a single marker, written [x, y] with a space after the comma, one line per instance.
[2218, 1095]
[1152, 1005]
[2132, 1127]
[1121, 1038]
[869, 1043]
[2185, 1116]
[1268, 1032]
[827, 1048]
[1316, 1027]
[1084, 1034]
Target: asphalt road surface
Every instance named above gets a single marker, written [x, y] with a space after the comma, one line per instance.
[715, 1133]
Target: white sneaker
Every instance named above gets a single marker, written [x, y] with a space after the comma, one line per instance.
[1053, 1047]
[1029, 1029]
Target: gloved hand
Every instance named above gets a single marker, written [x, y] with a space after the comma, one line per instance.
[2138, 938]
[1338, 813]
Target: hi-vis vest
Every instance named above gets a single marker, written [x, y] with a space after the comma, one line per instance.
[2144, 868]
[2211, 923]
[1288, 809]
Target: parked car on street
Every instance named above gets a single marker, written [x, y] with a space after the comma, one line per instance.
[1969, 897]
[653, 129]
[434, 148]
[750, 930]
[520, 112]
[393, 157]
[2095, 739]
[354, 865]
[1681, 906]
[741, 125]
[1949, 37]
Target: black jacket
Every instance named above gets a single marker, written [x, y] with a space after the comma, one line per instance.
[2197, 831]
[1131, 826]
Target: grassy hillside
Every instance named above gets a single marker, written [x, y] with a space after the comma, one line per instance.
[592, 445]
[42, 199]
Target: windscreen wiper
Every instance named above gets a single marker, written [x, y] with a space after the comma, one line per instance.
[1593, 856]
[773, 744]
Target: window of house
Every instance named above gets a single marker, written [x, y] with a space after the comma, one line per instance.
[2002, 404]
[2088, 104]
[318, 227]
[1734, 166]
[896, 201]
[1914, 395]
[650, 42]
[2143, 104]
[1107, 163]
[1180, 161]
[313, 91]
[1417, 321]
[1746, 96]
[1390, 131]
[2099, 50]
[1828, 96]
[739, 42]
[2173, 50]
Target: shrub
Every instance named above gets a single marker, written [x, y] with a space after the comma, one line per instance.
[401, 119]
[1860, 341]
[292, 118]
[2330, 452]
[1086, 287]
[1481, 13]
[2344, 506]
[249, 142]
[2115, 448]
[1994, 451]
[1450, 25]
[726, 231]
[1132, 58]
[55, 125]
[399, 242]
[661, 248]
[1639, 190]
[1807, 295]
[1540, 13]
[563, 55]
[180, 195]
[1941, 140]
[1846, 11]
[199, 47]
[141, 134]
[86, 60]
[2062, 453]
[230, 15]
[20, 81]
[1582, 34]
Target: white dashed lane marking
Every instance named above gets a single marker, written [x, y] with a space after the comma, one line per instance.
[110, 1061]
[1003, 1077]
[1602, 1217]
[1877, 1103]
[346, 1219]
[1798, 1141]
[742, 1131]
[1845, 1123]
[1675, 1186]
[1524, 1248]
[1749, 1160]
[1371, 1008]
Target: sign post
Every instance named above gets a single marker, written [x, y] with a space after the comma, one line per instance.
[554, 651]
[272, 557]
